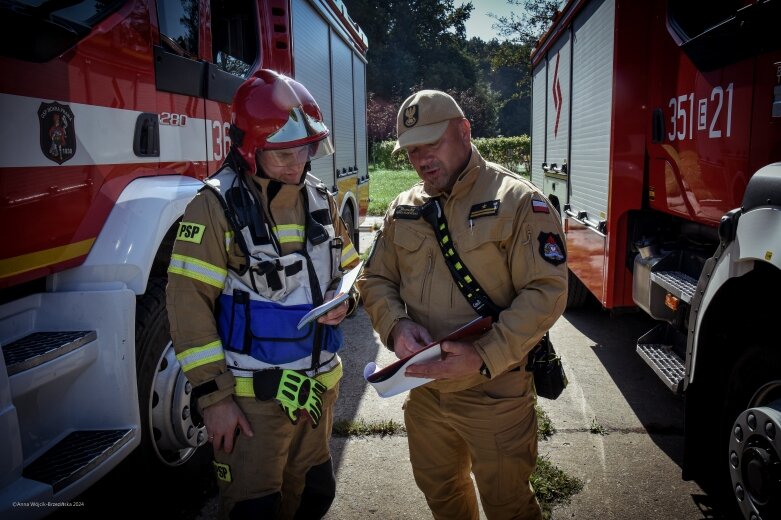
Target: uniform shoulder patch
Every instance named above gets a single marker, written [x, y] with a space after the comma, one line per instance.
[484, 209]
[540, 206]
[190, 232]
[551, 248]
[407, 212]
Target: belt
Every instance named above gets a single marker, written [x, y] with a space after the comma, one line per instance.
[245, 388]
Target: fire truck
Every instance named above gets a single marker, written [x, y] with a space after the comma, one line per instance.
[113, 113]
[656, 133]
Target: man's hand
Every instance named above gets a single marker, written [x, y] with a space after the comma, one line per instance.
[223, 420]
[337, 314]
[408, 338]
[460, 360]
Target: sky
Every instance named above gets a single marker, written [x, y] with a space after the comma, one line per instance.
[479, 24]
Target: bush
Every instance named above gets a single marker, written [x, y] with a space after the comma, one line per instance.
[510, 152]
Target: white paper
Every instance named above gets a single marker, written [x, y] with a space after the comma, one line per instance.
[398, 382]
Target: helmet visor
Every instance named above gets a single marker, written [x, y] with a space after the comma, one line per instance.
[299, 126]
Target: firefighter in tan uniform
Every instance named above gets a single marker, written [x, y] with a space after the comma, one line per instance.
[257, 248]
[478, 415]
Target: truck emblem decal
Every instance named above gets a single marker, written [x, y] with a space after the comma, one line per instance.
[551, 248]
[411, 116]
[558, 100]
[58, 131]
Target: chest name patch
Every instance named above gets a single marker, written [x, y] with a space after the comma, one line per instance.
[484, 209]
[552, 248]
[407, 212]
[539, 206]
[190, 232]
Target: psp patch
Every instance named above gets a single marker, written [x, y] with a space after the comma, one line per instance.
[552, 248]
[190, 232]
[407, 212]
[484, 209]
[223, 471]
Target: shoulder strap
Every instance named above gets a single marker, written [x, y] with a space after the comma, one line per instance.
[432, 213]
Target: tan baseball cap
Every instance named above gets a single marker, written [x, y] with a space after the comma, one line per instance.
[423, 118]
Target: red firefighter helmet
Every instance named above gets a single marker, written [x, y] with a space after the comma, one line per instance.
[274, 112]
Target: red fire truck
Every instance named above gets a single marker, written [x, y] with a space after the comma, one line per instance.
[656, 132]
[112, 114]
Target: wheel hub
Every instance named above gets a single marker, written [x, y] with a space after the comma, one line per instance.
[174, 434]
[755, 461]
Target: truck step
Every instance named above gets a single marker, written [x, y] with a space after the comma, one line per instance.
[40, 347]
[665, 362]
[75, 456]
[678, 284]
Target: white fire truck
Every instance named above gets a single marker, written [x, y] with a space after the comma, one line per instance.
[111, 115]
[656, 131]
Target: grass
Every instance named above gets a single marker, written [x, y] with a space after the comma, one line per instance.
[597, 428]
[545, 428]
[552, 486]
[363, 428]
[385, 185]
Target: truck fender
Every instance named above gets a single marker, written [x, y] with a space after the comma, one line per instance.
[125, 249]
[754, 236]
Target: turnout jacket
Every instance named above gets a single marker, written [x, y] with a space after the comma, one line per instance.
[510, 239]
[226, 308]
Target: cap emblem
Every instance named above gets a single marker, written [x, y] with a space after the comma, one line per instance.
[411, 116]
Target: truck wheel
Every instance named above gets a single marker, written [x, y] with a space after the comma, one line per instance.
[753, 415]
[577, 294]
[348, 216]
[170, 436]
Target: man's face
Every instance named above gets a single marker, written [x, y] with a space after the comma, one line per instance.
[286, 165]
[439, 163]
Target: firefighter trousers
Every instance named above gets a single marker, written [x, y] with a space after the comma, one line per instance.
[489, 430]
[267, 475]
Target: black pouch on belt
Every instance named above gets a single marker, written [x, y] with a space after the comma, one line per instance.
[265, 384]
[549, 377]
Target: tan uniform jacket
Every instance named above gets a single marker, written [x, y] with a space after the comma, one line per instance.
[406, 275]
[191, 298]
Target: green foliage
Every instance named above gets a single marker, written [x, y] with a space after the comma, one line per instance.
[510, 152]
[386, 184]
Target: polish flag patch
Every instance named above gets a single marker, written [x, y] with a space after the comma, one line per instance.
[539, 206]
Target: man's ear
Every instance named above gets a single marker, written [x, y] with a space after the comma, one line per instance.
[465, 131]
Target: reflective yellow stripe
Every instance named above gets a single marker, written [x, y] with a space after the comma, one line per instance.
[199, 356]
[330, 378]
[23, 263]
[244, 388]
[198, 270]
[348, 255]
[228, 240]
[287, 233]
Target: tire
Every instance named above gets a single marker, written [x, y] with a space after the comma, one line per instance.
[173, 444]
[577, 294]
[348, 216]
[753, 450]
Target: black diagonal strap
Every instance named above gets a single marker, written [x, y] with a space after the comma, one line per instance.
[432, 213]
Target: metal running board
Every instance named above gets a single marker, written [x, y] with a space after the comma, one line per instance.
[665, 362]
[40, 347]
[75, 456]
[678, 284]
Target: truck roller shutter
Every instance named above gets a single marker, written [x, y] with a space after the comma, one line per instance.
[311, 61]
[539, 89]
[359, 82]
[344, 103]
[592, 93]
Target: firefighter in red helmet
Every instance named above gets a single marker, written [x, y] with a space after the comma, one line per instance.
[257, 248]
